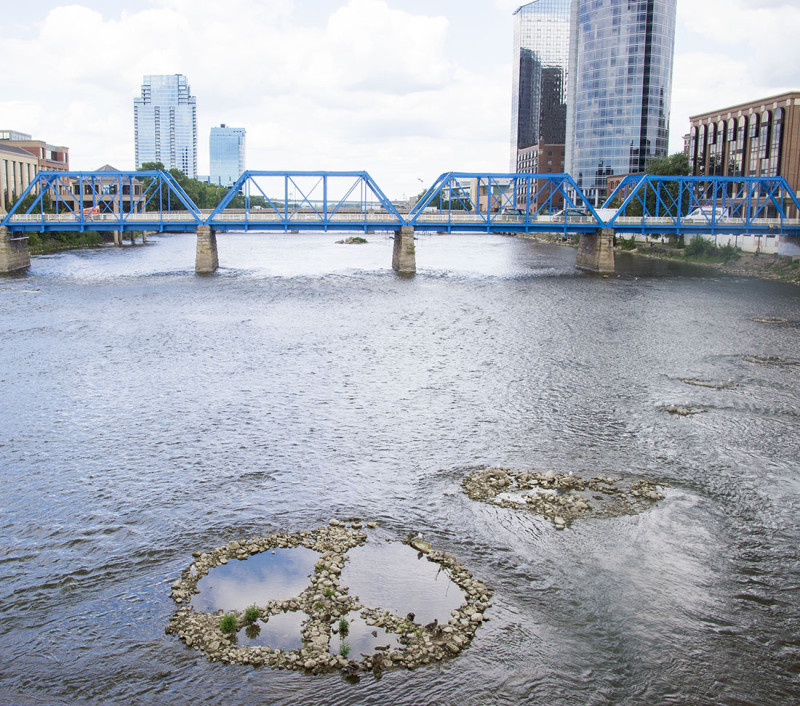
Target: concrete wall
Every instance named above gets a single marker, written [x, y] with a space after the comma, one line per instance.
[14, 252]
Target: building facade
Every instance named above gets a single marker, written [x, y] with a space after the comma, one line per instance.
[165, 123]
[540, 80]
[620, 89]
[226, 150]
[18, 167]
[760, 138]
[22, 158]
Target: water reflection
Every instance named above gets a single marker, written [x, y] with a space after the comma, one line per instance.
[280, 632]
[390, 575]
[268, 576]
[359, 638]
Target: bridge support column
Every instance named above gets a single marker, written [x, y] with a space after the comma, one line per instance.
[118, 238]
[596, 252]
[14, 252]
[404, 258]
[207, 259]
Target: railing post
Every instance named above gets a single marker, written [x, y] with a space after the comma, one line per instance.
[14, 252]
[206, 259]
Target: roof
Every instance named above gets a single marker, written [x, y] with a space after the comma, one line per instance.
[4, 147]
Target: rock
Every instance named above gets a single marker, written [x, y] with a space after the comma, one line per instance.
[421, 545]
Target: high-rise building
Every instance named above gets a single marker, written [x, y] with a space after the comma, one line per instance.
[540, 79]
[226, 149]
[165, 122]
[620, 88]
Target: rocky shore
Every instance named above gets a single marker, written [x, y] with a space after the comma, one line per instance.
[325, 602]
[561, 498]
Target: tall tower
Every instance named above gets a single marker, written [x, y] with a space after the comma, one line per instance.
[539, 91]
[226, 149]
[620, 67]
[165, 123]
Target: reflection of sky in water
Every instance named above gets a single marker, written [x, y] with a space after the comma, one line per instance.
[280, 632]
[258, 579]
[360, 638]
[390, 576]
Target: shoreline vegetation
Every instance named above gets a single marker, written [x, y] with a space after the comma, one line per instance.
[726, 260]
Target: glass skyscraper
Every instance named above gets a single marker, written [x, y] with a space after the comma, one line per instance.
[540, 79]
[226, 147]
[165, 123]
[620, 68]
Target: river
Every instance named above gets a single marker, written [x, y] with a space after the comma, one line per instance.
[147, 413]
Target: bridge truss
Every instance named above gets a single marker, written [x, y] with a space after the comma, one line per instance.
[103, 200]
[303, 200]
[456, 202]
[679, 205]
[497, 202]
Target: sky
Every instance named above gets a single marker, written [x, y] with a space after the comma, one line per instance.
[404, 89]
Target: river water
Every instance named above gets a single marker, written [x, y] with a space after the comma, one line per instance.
[147, 413]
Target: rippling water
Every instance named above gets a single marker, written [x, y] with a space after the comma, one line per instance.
[147, 413]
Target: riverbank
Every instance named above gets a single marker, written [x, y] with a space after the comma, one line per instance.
[771, 267]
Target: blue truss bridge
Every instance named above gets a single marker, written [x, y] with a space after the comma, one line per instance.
[457, 202]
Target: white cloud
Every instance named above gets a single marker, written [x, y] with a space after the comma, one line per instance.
[371, 87]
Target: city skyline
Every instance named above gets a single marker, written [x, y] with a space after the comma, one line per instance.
[330, 84]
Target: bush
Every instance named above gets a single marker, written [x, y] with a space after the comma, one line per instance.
[627, 244]
[252, 613]
[700, 247]
[227, 623]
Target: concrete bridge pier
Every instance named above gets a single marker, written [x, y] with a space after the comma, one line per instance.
[596, 252]
[404, 258]
[118, 238]
[14, 252]
[207, 259]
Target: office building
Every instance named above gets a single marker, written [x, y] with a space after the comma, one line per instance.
[760, 138]
[226, 149]
[620, 88]
[18, 167]
[540, 79]
[48, 157]
[165, 123]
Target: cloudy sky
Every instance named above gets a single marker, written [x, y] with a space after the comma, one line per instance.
[405, 89]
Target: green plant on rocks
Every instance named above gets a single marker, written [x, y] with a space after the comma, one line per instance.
[344, 628]
[227, 623]
[344, 649]
[252, 613]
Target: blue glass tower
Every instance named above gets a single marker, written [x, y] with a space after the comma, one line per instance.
[620, 89]
[226, 149]
[539, 89]
[165, 123]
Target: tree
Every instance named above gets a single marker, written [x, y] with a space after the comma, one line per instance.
[677, 164]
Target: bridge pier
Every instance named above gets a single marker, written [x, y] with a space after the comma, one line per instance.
[14, 252]
[404, 259]
[596, 252]
[207, 259]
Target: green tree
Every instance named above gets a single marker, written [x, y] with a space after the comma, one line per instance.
[673, 165]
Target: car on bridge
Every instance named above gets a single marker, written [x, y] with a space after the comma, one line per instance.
[705, 214]
[572, 213]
